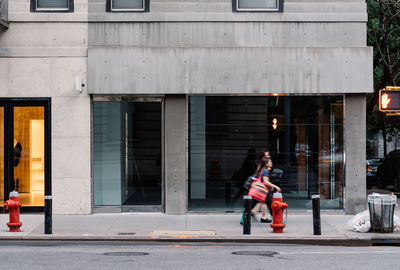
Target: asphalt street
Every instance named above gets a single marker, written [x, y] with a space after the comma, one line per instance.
[133, 255]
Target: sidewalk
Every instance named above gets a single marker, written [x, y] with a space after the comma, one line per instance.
[192, 227]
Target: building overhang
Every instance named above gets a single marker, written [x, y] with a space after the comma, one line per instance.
[224, 70]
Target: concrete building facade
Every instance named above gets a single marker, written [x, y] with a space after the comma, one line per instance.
[178, 93]
[41, 54]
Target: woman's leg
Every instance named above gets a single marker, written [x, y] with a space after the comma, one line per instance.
[256, 208]
[263, 211]
[269, 202]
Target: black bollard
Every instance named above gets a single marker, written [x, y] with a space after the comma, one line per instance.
[247, 200]
[316, 214]
[48, 222]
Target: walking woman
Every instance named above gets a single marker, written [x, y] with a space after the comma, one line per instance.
[262, 174]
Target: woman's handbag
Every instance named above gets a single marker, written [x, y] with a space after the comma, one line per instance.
[248, 182]
[258, 191]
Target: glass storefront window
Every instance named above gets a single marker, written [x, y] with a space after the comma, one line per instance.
[127, 153]
[303, 134]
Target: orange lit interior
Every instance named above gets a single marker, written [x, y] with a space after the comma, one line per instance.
[29, 172]
[1, 156]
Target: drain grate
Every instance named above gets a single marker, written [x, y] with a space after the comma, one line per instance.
[126, 233]
[126, 253]
[256, 253]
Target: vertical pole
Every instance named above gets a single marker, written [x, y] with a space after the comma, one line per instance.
[48, 200]
[247, 200]
[316, 214]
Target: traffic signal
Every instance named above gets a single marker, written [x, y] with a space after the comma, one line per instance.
[389, 99]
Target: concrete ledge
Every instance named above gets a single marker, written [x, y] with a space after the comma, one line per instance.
[227, 17]
[3, 25]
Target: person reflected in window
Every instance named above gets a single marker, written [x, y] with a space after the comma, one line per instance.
[247, 169]
[17, 152]
[17, 157]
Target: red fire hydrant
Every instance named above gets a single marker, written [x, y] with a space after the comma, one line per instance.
[13, 205]
[277, 213]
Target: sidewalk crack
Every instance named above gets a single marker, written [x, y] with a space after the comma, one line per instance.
[112, 225]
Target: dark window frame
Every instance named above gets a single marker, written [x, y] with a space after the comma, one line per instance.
[236, 9]
[70, 8]
[9, 104]
[146, 7]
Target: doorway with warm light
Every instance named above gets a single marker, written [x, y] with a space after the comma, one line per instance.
[25, 151]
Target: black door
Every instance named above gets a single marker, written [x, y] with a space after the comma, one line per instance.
[25, 151]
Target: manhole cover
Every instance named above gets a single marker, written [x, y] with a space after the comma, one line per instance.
[126, 253]
[256, 253]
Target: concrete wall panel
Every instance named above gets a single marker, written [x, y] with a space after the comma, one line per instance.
[71, 158]
[224, 34]
[355, 149]
[70, 117]
[71, 196]
[4, 65]
[176, 191]
[64, 72]
[132, 70]
[29, 77]
[45, 35]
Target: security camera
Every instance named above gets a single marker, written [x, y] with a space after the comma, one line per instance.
[79, 84]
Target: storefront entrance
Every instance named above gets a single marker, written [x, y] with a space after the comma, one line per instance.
[127, 154]
[25, 151]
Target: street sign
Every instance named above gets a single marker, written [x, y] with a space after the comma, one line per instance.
[389, 99]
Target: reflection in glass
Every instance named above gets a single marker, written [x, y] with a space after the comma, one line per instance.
[127, 153]
[304, 136]
[127, 4]
[1, 155]
[258, 4]
[28, 160]
[52, 4]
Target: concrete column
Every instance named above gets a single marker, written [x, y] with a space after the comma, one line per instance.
[355, 149]
[176, 191]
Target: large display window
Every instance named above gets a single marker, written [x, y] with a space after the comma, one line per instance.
[304, 135]
[127, 154]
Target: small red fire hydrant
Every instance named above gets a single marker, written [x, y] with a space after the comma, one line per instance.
[277, 213]
[13, 205]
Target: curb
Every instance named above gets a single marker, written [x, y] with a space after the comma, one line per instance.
[328, 241]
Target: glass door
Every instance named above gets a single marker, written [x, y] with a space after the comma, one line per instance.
[28, 158]
[142, 182]
[127, 153]
[24, 157]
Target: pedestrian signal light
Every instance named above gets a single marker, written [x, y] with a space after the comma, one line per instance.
[389, 99]
[274, 123]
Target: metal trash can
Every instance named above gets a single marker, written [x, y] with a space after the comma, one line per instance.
[381, 212]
